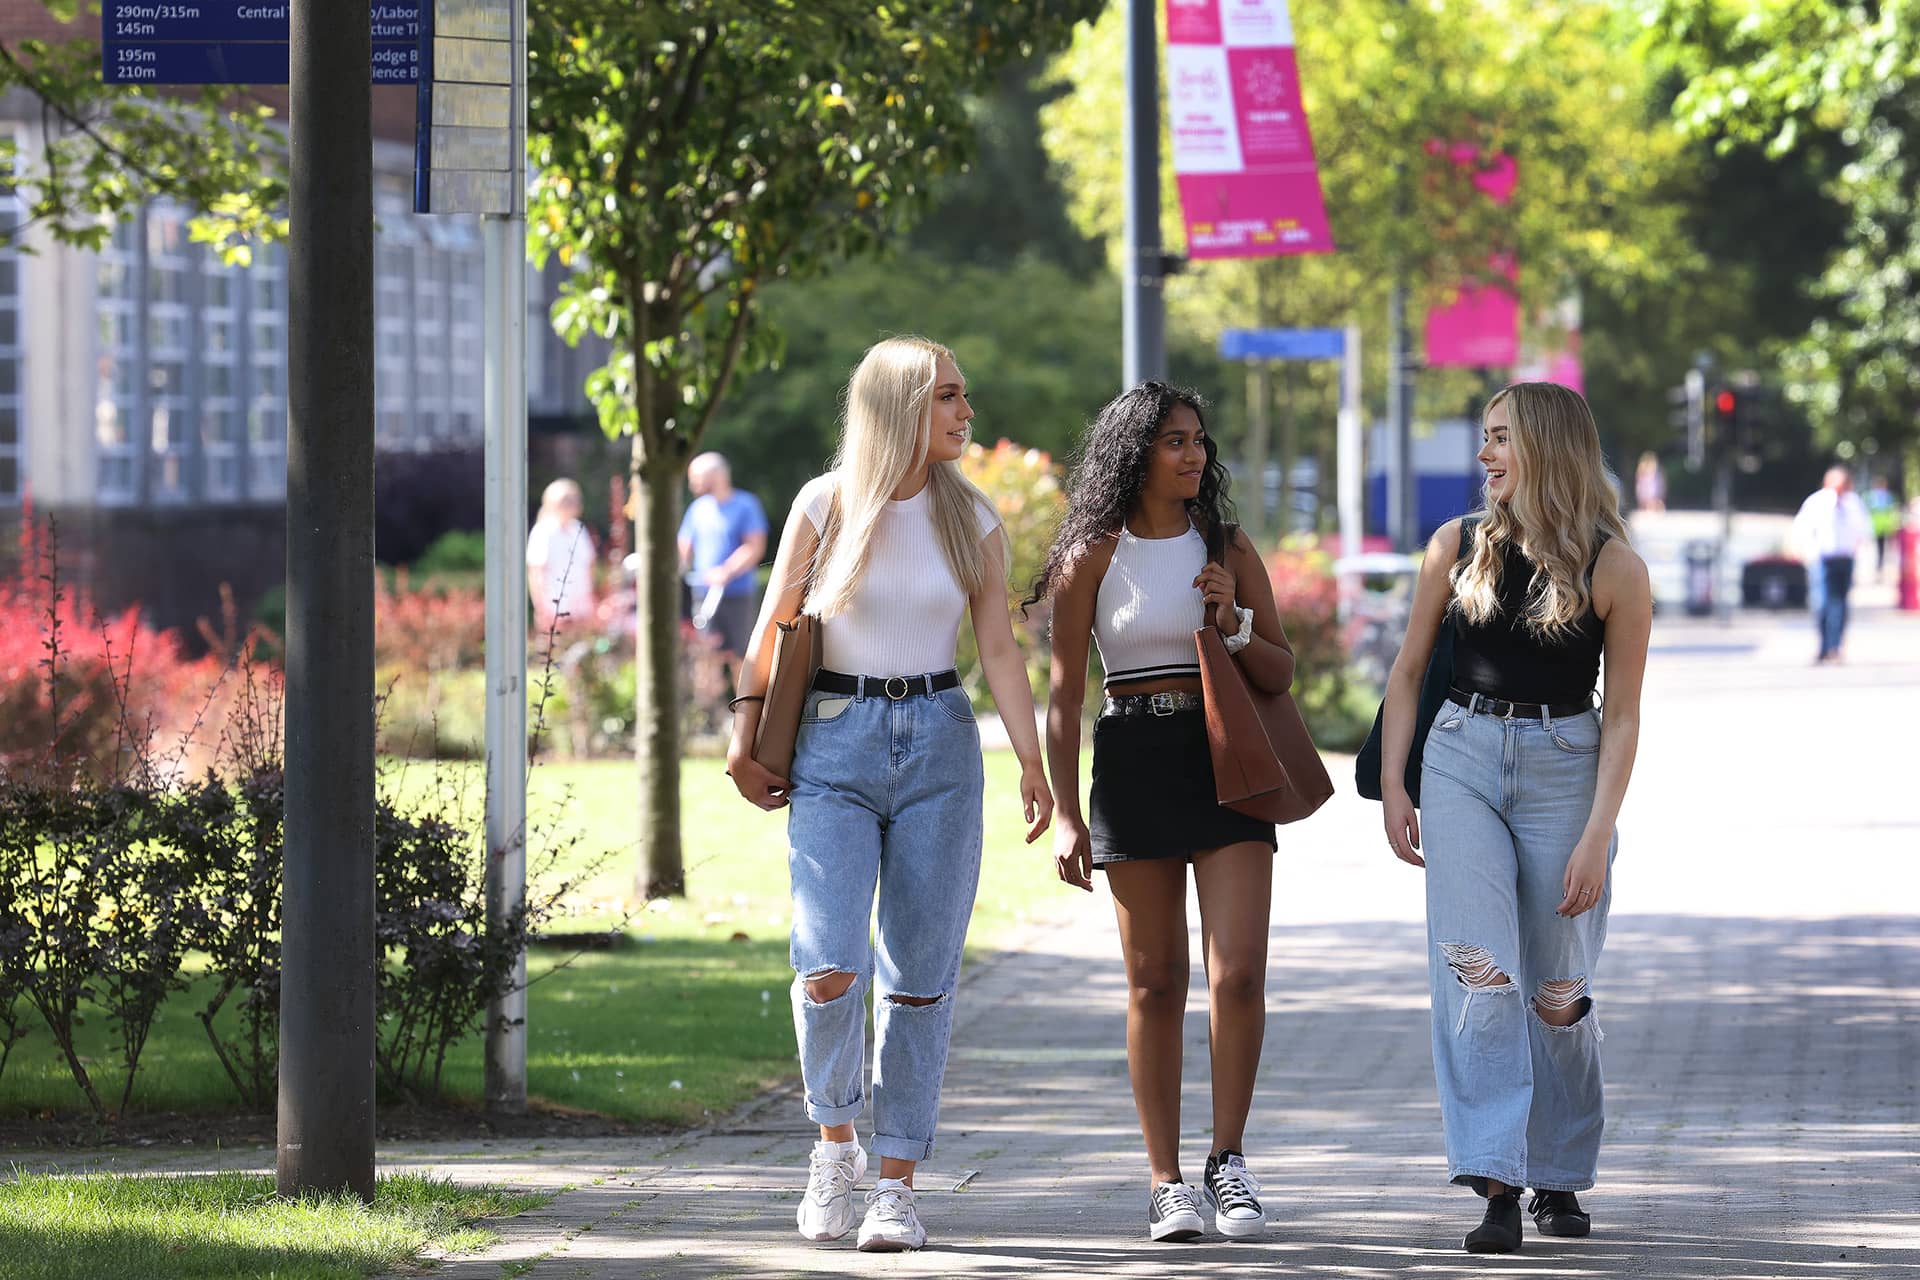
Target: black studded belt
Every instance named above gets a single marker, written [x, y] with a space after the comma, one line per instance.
[1152, 704]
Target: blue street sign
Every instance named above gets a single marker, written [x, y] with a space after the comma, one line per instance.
[199, 42]
[1283, 344]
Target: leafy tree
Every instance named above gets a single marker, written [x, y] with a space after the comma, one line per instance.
[688, 153]
[110, 148]
[1797, 78]
[1556, 85]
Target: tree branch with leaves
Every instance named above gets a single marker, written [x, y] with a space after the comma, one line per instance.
[688, 153]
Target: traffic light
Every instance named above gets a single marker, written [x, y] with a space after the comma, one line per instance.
[1726, 407]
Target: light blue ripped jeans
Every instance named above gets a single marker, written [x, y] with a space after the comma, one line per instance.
[885, 793]
[1503, 802]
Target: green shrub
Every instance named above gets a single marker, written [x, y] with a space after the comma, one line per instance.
[456, 553]
[1024, 485]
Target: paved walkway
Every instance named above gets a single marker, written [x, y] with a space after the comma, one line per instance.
[1758, 997]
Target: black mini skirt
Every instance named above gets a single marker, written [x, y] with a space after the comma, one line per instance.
[1153, 792]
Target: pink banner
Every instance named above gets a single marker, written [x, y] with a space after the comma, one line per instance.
[1480, 325]
[1242, 152]
[1554, 355]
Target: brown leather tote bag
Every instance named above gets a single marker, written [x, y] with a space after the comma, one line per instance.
[1264, 762]
[796, 657]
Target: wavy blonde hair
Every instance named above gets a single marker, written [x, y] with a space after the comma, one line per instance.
[1567, 501]
[884, 434]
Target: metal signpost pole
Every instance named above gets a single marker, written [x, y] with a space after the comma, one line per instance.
[327, 948]
[1348, 448]
[1259, 400]
[470, 157]
[505, 245]
[1143, 319]
[1402, 483]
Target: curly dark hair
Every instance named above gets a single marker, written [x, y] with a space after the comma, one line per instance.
[1111, 465]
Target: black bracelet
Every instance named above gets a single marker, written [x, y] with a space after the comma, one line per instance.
[733, 704]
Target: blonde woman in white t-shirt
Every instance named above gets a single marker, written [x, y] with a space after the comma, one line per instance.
[560, 560]
[887, 550]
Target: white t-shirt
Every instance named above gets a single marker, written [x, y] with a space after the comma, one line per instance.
[905, 616]
[565, 551]
[1833, 525]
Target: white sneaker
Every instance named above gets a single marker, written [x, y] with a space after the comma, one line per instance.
[835, 1169]
[1234, 1194]
[892, 1224]
[1173, 1212]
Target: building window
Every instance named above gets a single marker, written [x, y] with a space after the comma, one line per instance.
[265, 291]
[190, 368]
[171, 407]
[393, 320]
[119, 364]
[466, 267]
[13, 391]
[223, 443]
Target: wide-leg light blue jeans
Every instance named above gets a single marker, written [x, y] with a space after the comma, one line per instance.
[886, 795]
[1503, 801]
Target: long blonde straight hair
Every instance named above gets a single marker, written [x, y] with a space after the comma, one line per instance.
[885, 433]
[1567, 500]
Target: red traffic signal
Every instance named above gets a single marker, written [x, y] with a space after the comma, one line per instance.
[1724, 403]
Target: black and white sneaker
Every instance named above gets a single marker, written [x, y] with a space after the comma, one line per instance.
[1173, 1212]
[1233, 1194]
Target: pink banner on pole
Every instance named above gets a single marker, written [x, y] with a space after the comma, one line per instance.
[1242, 152]
[1481, 325]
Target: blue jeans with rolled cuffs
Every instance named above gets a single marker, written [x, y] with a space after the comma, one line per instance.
[886, 794]
[1503, 802]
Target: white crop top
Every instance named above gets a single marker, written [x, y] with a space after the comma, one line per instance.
[1147, 609]
[905, 615]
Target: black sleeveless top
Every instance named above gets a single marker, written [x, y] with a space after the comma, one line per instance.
[1502, 658]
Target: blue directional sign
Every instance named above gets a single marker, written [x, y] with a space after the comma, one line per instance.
[1283, 344]
[233, 42]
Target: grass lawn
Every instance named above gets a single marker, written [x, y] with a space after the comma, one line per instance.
[230, 1225]
[689, 1014]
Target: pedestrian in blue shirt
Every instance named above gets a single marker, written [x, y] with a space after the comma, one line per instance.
[723, 539]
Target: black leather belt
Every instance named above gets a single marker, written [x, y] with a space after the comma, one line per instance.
[1151, 704]
[893, 687]
[1501, 709]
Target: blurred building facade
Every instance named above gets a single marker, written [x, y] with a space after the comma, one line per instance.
[143, 387]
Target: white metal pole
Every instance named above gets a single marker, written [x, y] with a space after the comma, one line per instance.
[1348, 460]
[505, 243]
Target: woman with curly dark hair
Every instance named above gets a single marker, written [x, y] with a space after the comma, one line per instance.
[1146, 556]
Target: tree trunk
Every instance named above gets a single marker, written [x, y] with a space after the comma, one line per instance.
[655, 477]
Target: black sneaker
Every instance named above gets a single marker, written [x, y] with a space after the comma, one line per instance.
[1499, 1231]
[1173, 1212]
[1558, 1213]
[1234, 1196]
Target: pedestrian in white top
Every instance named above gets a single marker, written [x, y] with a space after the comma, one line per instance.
[560, 560]
[888, 552]
[1832, 528]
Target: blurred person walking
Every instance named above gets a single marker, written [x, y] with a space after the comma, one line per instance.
[560, 559]
[1521, 782]
[1650, 484]
[1832, 530]
[886, 551]
[1145, 557]
[1883, 513]
[723, 539]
